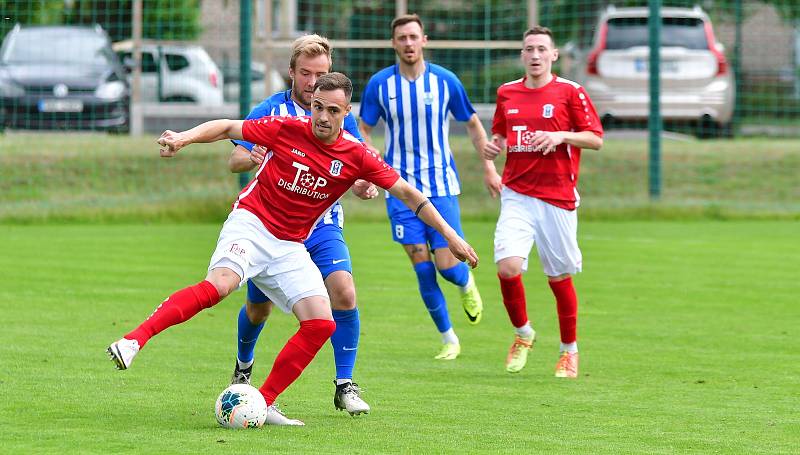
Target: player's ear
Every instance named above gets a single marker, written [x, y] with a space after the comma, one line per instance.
[348, 109]
[555, 54]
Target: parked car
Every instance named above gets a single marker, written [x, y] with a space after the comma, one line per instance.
[258, 91]
[175, 73]
[62, 77]
[697, 84]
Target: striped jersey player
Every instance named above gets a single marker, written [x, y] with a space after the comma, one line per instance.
[415, 99]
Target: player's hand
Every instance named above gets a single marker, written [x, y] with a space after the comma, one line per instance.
[463, 251]
[493, 182]
[364, 189]
[257, 154]
[547, 141]
[170, 143]
[493, 149]
[490, 151]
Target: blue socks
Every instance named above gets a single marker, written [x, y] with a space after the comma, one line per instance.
[432, 295]
[247, 336]
[345, 341]
[458, 275]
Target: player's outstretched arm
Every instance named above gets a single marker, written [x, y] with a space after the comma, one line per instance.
[422, 207]
[212, 131]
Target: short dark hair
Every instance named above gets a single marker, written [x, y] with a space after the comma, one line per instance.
[539, 30]
[335, 81]
[406, 19]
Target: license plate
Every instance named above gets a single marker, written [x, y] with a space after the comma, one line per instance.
[60, 106]
[667, 66]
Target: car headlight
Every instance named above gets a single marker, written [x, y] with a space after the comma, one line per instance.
[9, 89]
[110, 90]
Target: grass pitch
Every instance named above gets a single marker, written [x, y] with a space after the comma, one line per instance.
[92, 177]
[687, 334]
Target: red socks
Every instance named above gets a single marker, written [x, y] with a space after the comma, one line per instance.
[296, 355]
[567, 305]
[514, 299]
[179, 307]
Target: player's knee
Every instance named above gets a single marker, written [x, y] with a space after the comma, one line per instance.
[224, 280]
[562, 277]
[343, 298]
[444, 259]
[258, 312]
[508, 269]
[417, 253]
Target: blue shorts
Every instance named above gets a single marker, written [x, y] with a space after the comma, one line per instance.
[328, 251]
[407, 229]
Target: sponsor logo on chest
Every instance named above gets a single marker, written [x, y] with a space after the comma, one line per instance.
[306, 183]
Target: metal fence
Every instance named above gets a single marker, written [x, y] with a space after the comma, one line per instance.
[731, 68]
[726, 69]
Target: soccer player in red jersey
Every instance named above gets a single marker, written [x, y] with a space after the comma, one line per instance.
[312, 162]
[543, 122]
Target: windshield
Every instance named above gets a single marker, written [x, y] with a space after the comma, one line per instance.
[35, 46]
[626, 32]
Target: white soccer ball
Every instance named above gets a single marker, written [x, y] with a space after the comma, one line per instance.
[241, 406]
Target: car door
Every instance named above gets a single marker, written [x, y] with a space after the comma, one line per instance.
[150, 68]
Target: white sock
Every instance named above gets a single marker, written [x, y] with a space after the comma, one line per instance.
[569, 347]
[526, 331]
[343, 381]
[245, 365]
[466, 287]
[449, 336]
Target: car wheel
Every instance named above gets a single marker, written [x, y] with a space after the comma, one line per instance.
[707, 128]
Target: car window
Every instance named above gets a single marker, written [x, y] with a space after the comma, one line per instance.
[626, 32]
[149, 64]
[36, 46]
[176, 62]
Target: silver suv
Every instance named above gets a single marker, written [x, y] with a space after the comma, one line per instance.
[696, 81]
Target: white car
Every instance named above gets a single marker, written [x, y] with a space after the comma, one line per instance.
[176, 73]
[697, 83]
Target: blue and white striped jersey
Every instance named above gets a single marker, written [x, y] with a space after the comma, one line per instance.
[417, 120]
[282, 104]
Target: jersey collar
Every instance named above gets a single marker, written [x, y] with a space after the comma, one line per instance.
[420, 77]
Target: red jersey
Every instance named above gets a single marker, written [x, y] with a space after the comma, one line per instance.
[301, 177]
[561, 105]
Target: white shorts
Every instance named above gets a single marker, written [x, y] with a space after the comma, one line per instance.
[283, 270]
[525, 220]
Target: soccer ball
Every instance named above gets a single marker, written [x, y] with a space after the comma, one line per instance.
[241, 406]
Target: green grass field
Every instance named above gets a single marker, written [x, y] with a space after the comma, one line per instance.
[688, 335]
[89, 177]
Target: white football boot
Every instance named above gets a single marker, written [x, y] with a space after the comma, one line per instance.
[348, 398]
[122, 352]
[276, 417]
